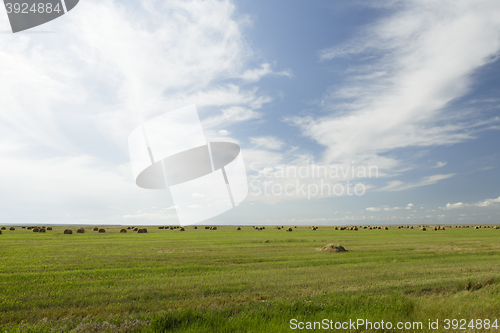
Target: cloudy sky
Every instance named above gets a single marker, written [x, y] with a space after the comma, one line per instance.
[347, 112]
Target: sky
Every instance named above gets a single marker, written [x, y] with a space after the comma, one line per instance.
[346, 112]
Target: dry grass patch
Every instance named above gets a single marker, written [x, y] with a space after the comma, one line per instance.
[333, 248]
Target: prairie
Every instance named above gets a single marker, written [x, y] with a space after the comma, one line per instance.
[229, 280]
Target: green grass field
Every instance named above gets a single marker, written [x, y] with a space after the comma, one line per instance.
[245, 281]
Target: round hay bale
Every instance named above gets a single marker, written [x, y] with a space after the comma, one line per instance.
[238, 228]
[123, 231]
[213, 228]
[144, 230]
[135, 229]
[411, 227]
[195, 227]
[36, 230]
[333, 248]
[0, 231]
[476, 227]
[496, 227]
[207, 228]
[41, 230]
[139, 231]
[128, 228]
[295, 227]
[101, 231]
[49, 228]
[3, 228]
[172, 228]
[161, 227]
[386, 228]
[12, 229]
[423, 229]
[80, 231]
[68, 231]
[289, 229]
[23, 227]
[96, 229]
[182, 229]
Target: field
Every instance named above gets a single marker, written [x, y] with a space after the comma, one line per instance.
[226, 280]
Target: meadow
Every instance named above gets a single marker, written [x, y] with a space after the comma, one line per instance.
[229, 280]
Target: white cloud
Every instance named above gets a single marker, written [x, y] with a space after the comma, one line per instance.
[440, 164]
[397, 185]
[422, 56]
[69, 100]
[485, 203]
[267, 142]
[256, 74]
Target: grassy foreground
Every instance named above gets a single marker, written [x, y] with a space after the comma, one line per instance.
[245, 281]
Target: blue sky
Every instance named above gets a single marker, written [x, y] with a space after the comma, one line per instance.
[409, 88]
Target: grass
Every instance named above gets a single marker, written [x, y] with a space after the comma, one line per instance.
[242, 281]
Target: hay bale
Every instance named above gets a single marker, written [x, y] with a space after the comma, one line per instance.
[12, 228]
[182, 229]
[423, 229]
[80, 231]
[123, 231]
[207, 228]
[289, 229]
[333, 248]
[29, 228]
[411, 227]
[49, 228]
[213, 228]
[128, 228]
[68, 231]
[336, 228]
[496, 227]
[101, 231]
[161, 227]
[0, 232]
[386, 228]
[135, 229]
[36, 230]
[3, 228]
[195, 228]
[238, 228]
[142, 231]
[476, 227]
[23, 227]
[96, 229]
[41, 230]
